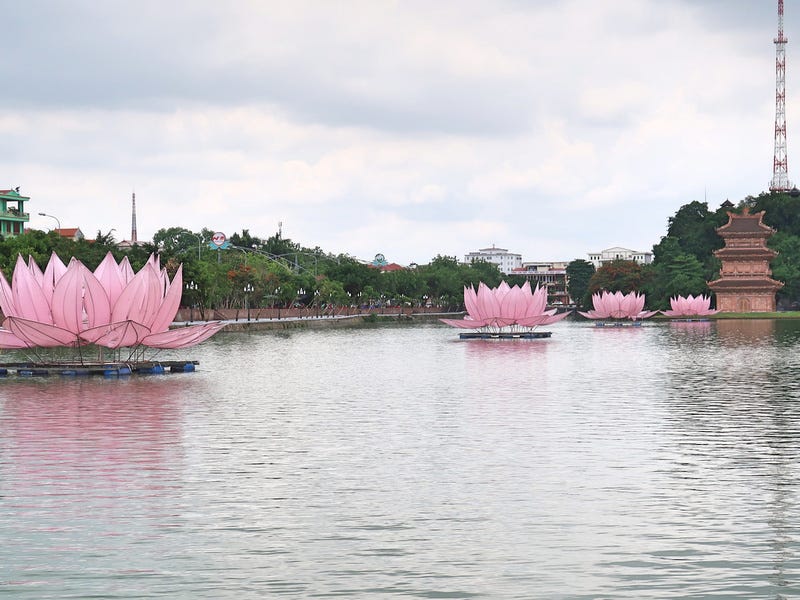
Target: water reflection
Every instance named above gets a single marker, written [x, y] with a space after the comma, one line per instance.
[481, 348]
[650, 462]
[731, 446]
[87, 469]
[73, 423]
[749, 332]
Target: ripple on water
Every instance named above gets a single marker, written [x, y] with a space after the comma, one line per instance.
[652, 462]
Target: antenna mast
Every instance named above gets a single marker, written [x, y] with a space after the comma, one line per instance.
[133, 218]
[780, 168]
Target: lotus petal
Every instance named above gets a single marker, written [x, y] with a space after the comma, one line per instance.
[40, 334]
[116, 335]
[112, 278]
[9, 340]
[183, 337]
[169, 306]
[30, 301]
[140, 299]
[465, 323]
[471, 303]
[54, 271]
[7, 305]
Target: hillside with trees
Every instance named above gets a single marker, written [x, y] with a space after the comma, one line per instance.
[684, 261]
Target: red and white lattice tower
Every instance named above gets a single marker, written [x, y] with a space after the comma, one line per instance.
[780, 169]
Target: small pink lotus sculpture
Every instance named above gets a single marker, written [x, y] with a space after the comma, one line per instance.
[516, 308]
[615, 305]
[690, 307]
[112, 307]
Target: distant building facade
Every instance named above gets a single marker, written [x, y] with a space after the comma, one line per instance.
[12, 213]
[598, 259]
[506, 261]
[551, 275]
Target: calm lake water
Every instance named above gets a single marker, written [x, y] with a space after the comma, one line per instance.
[652, 462]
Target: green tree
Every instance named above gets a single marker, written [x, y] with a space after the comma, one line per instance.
[482, 271]
[695, 228]
[618, 276]
[786, 266]
[579, 274]
[444, 281]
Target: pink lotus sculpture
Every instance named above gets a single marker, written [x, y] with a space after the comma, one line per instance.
[112, 307]
[504, 307]
[615, 305]
[699, 306]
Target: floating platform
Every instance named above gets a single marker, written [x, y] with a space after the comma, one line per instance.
[528, 335]
[613, 325]
[690, 320]
[110, 369]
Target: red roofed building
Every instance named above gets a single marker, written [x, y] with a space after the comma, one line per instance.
[72, 233]
[745, 284]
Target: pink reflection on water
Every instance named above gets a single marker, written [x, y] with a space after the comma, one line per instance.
[500, 347]
[58, 430]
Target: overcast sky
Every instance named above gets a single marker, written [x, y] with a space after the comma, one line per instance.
[552, 128]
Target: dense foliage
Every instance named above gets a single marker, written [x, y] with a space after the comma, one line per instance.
[266, 272]
[684, 261]
[279, 272]
[579, 276]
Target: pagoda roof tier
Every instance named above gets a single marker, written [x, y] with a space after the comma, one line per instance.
[732, 283]
[745, 225]
[745, 253]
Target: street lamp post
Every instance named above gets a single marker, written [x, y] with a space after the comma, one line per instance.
[52, 217]
[199, 244]
[248, 289]
[191, 287]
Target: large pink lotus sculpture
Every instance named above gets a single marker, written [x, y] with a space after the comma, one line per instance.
[505, 308]
[112, 307]
[690, 307]
[615, 305]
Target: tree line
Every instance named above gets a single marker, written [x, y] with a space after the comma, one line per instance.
[278, 272]
[684, 261]
[265, 272]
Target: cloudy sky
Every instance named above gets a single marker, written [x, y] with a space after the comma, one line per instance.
[552, 128]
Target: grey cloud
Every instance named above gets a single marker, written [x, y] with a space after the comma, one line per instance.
[89, 54]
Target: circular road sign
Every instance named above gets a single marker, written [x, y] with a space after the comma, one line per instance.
[218, 239]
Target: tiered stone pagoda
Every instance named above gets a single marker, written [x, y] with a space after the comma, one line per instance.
[745, 284]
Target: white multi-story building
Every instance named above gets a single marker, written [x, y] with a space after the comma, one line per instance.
[506, 261]
[598, 259]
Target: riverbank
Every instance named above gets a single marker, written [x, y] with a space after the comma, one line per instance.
[331, 321]
[765, 315]
[324, 321]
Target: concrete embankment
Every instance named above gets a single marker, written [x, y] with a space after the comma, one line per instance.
[326, 322]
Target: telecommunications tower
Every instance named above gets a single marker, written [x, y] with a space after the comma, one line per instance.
[780, 169]
[134, 241]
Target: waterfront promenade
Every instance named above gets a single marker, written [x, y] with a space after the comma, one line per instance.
[296, 318]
